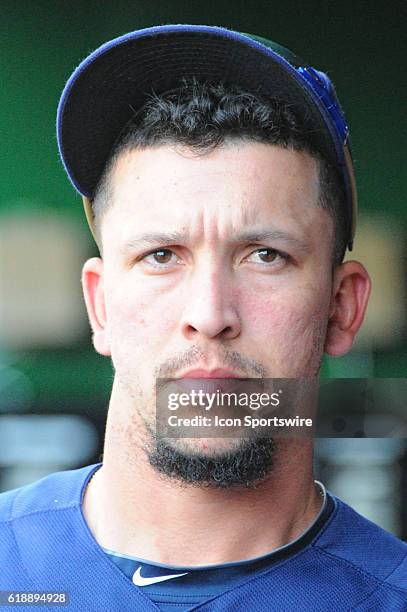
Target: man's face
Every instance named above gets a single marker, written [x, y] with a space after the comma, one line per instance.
[221, 260]
[215, 288]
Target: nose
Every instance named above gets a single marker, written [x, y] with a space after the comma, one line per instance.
[211, 307]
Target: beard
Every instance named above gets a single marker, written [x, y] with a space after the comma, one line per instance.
[244, 466]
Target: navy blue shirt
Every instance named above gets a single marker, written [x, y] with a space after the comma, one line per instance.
[181, 588]
[348, 564]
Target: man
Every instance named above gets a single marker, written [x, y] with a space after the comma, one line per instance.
[217, 178]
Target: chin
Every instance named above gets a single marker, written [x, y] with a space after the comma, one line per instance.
[205, 447]
[214, 462]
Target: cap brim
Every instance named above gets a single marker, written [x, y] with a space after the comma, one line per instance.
[108, 88]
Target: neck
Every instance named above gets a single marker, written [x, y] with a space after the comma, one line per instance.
[133, 510]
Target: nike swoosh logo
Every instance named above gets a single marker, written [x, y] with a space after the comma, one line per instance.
[140, 581]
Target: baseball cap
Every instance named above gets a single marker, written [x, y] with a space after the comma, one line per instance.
[114, 81]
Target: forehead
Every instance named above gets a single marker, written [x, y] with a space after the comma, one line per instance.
[236, 185]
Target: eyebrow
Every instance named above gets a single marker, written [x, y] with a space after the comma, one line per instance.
[273, 234]
[154, 239]
[167, 238]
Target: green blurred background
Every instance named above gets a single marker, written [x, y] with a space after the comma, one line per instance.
[359, 44]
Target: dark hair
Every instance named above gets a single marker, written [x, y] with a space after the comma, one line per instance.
[202, 116]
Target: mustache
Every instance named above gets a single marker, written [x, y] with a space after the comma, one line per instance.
[194, 355]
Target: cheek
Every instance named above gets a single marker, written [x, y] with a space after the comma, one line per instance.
[290, 327]
[137, 323]
[293, 319]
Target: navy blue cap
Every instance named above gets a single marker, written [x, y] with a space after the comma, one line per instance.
[112, 83]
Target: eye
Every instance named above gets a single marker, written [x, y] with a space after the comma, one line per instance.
[266, 256]
[160, 258]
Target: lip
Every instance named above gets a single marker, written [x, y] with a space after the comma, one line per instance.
[209, 381]
[215, 373]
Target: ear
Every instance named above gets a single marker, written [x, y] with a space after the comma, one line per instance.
[94, 294]
[350, 294]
